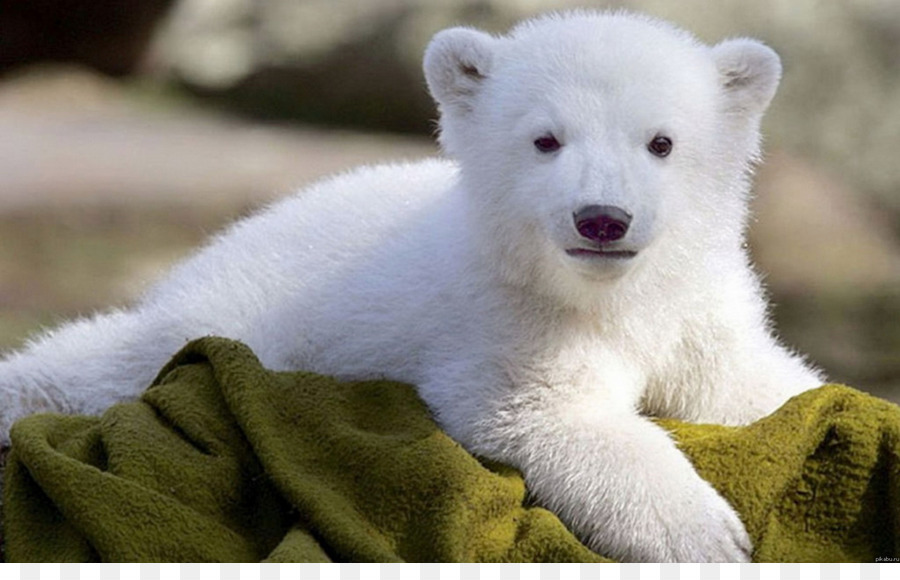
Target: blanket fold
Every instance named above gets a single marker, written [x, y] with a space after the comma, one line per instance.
[223, 460]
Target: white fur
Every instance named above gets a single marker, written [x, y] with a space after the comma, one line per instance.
[453, 275]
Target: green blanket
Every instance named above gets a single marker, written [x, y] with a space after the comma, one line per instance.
[223, 460]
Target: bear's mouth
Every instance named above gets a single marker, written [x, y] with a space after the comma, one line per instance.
[612, 254]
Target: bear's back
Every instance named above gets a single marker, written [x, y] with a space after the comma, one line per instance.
[303, 243]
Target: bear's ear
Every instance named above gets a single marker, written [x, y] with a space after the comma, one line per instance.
[456, 63]
[749, 72]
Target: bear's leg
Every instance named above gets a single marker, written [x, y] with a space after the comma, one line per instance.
[87, 365]
[619, 482]
[752, 383]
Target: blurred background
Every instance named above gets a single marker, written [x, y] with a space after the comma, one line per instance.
[131, 131]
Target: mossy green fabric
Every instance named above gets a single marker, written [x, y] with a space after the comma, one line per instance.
[223, 460]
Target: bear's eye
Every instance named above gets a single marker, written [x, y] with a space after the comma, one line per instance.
[660, 146]
[547, 144]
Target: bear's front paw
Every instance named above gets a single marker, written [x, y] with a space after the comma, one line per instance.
[676, 520]
[705, 529]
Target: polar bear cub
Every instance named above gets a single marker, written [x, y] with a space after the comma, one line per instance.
[576, 266]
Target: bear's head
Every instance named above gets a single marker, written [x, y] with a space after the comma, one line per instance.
[594, 144]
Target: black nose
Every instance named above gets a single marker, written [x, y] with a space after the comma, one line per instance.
[602, 223]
